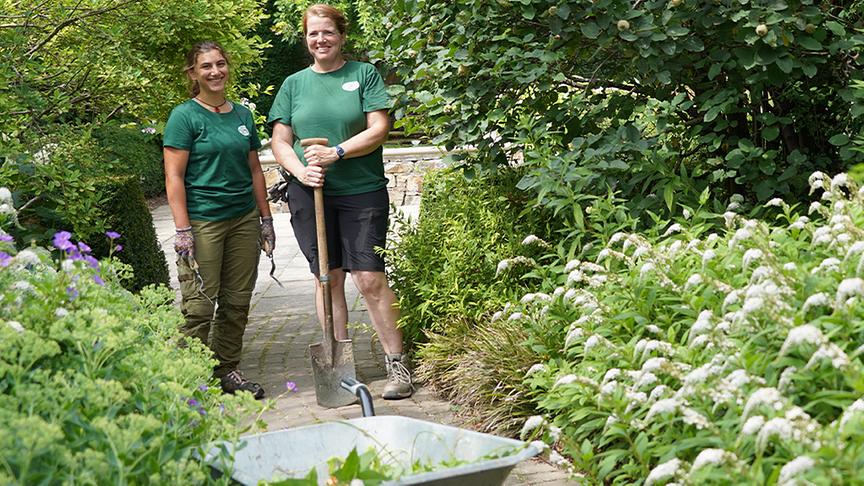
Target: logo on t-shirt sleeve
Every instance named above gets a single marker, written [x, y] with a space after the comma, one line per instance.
[243, 130]
[351, 86]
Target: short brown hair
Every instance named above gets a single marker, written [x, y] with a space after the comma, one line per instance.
[332, 13]
[192, 58]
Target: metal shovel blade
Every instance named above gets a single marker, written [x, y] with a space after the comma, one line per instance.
[328, 376]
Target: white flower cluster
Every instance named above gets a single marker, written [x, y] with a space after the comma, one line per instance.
[515, 262]
[749, 293]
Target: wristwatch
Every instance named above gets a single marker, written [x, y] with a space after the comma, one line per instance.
[340, 152]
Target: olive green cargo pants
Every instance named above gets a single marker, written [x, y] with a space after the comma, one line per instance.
[216, 307]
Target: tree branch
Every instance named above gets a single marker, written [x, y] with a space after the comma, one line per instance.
[71, 21]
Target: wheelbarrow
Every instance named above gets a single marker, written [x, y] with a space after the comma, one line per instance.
[480, 459]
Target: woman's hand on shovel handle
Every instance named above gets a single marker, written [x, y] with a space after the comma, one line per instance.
[320, 155]
[312, 176]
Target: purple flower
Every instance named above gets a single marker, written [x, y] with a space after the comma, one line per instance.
[61, 241]
[112, 234]
[98, 280]
[72, 292]
[118, 248]
[203, 387]
[222, 407]
[94, 263]
[83, 247]
[291, 386]
[5, 237]
[5, 259]
[197, 406]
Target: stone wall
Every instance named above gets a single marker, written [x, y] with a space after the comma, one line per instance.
[403, 167]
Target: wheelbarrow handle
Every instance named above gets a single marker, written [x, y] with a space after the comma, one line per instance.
[362, 392]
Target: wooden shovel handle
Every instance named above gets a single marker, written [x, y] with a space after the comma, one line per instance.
[323, 259]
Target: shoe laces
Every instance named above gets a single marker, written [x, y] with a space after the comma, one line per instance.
[398, 372]
[236, 377]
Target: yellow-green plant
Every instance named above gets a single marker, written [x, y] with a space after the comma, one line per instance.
[95, 386]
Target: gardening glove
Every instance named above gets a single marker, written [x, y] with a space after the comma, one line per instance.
[268, 235]
[184, 243]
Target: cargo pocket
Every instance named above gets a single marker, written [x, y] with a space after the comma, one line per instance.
[186, 279]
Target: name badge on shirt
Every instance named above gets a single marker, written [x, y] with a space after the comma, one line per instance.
[351, 86]
[243, 130]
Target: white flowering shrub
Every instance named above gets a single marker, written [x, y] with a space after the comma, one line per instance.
[730, 358]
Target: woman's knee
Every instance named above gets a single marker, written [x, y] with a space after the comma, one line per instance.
[336, 277]
[371, 284]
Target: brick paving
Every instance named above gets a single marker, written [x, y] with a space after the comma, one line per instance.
[283, 324]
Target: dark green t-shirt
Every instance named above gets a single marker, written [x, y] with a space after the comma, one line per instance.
[334, 106]
[218, 180]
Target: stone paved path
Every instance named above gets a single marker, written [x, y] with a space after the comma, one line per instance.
[282, 325]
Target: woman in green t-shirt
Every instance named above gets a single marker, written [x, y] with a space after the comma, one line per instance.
[344, 102]
[218, 199]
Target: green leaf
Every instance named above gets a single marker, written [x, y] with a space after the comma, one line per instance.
[669, 196]
[590, 29]
[770, 133]
[529, 12]
[578, 217]
[564, 11]
[714, 70]
[628, 36]
[677, 31]
[786, 64]
[836, 27]
[712, 113]
[809, 43]
[839, 139]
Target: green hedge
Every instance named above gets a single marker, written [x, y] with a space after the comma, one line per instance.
[135, 152]
[127, 214]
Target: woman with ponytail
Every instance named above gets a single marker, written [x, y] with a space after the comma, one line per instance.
[218, 199]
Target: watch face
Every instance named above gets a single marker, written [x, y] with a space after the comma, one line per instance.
[340, 151]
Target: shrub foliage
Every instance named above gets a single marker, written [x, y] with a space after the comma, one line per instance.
[94, 386]
[722, 357]
[655, 99]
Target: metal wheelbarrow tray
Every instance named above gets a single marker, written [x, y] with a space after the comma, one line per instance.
[292, 453]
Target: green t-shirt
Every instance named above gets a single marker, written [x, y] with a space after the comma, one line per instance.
[218, 180]
[333, 106]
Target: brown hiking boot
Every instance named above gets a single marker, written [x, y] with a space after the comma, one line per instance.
[235, 381]
[399, 384]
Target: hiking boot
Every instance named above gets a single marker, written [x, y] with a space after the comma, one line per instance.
[235, 381]
[399, 383]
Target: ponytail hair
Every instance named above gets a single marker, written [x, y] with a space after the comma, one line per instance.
[192, 58]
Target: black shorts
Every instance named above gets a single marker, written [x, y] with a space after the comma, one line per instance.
[356, 228]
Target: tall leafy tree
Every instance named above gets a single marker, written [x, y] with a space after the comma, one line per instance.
[67, 61]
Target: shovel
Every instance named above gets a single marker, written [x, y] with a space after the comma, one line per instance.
[332, 360]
